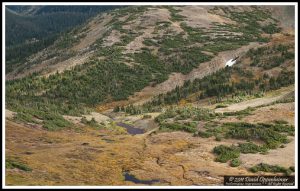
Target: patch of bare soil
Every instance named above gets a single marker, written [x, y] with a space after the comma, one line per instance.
[280, 111]
[98, 117]
[73, 119]
[9, 114]
[149, 18]
[282, 156]
[113, 38]
[98, 28]
[198, 16]
[68, 64]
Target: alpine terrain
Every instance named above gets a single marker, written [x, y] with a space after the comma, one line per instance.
[148, 95]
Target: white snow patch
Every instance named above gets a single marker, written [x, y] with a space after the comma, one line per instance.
[230, 62]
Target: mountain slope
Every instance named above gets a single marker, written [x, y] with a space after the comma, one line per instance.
[261, 69]
[121, 52]
[141, 95]
[46, 9]
[29, 29]
[24, 23]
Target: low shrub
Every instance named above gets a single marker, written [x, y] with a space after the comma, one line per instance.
[188, 127]
[270, 168]
[218, 138]
[226, 153]
[147, 116]
[10, 164]
[249, 148]
[235, 162]
[203, 134]
[221, 106]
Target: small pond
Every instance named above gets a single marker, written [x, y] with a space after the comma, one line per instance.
[131, 129]
[132, 178]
